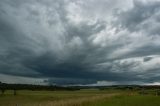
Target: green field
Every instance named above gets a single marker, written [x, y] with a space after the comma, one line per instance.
[90, 97]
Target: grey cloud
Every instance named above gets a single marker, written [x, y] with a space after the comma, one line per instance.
[147, 59]
[142, 17]
[44, 40]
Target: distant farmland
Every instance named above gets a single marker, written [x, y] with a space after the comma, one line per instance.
[83, 97]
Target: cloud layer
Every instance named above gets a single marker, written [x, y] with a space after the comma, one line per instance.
[80, 42]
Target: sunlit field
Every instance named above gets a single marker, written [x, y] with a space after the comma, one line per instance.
[90, 97]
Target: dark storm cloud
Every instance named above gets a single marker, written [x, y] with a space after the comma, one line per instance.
[147, 59]
[72, 42]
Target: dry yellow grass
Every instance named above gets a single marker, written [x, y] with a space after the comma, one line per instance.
[72, 102]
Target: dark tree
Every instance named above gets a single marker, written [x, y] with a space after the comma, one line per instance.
[15, 92]
[2, 91]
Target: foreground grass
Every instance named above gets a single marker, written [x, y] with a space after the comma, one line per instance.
[124, 100]
[78, 98]
[52, 98]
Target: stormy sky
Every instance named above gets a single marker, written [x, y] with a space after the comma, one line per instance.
[79, 42]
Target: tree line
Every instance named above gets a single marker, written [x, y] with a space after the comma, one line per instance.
[15, 87]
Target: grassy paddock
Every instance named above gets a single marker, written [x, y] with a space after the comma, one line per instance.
[79, 98]
[124, 100]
